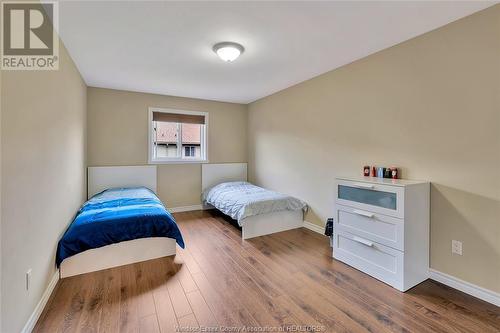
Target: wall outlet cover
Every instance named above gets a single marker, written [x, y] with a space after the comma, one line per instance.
[456, 247]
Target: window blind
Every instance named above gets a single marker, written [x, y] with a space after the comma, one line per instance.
[179, 118]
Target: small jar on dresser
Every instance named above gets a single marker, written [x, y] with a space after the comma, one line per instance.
[382, 228]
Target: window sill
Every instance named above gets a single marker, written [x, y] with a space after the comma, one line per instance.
[178, 161]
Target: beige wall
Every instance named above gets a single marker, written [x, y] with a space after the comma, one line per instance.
[118, 135]
[430, 105]
[43, 127]
[1, 199]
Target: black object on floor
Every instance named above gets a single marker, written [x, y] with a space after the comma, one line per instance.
[329, 227]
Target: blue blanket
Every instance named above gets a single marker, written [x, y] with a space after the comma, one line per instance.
[114, 216]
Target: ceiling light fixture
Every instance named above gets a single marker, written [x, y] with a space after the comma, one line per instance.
[228, 51]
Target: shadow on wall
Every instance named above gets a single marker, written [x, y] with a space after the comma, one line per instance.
[475, 221]
[312, 217]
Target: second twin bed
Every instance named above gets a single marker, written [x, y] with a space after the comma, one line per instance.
[258, 211]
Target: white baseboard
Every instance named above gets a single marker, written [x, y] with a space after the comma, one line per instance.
[314, 227]
[482, 293]
[185, 208]
[30, 324]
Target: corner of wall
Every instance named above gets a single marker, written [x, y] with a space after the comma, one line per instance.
[57, 100]
[1, 99]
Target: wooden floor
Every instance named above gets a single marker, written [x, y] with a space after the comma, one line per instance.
[283, 280]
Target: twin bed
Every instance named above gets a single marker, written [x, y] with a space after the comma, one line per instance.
[117, 227]
[258, 211]
[124, 221]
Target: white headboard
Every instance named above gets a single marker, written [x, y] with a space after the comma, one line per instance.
[213, 174]
[101, 178]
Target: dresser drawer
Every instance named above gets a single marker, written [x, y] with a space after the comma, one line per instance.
[376, 227]
[377, 260]
[383, 199]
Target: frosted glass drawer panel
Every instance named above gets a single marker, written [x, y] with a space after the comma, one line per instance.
[380, 228]
[367, 196]
[377, 198]
[377, 260]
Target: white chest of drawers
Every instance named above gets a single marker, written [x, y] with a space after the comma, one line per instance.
[381, 227]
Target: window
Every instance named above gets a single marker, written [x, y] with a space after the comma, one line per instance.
[190, 151]
[177, 136]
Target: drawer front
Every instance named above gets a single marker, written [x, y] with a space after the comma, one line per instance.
[381, 262]
[384, 199]
[380, 228]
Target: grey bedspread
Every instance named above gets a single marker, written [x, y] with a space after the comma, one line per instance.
[242, 199]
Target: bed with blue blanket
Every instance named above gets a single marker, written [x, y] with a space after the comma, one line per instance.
[117, 223]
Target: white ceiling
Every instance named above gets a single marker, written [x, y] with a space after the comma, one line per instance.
[166, 47]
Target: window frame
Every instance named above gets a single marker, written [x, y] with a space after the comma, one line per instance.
[177, 160]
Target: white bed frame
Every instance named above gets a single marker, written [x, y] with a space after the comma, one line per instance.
[102, 178]
[253, 226]
[128, 252]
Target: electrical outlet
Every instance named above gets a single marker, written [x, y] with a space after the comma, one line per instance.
[28, 279]
[456, 247]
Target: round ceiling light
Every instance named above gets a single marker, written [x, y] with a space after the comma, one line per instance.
[228, 51]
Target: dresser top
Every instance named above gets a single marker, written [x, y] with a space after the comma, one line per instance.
[384, 181]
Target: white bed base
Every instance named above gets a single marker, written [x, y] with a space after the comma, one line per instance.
[265, 224]
[254, 226]
[118, 254]
[124, 253]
